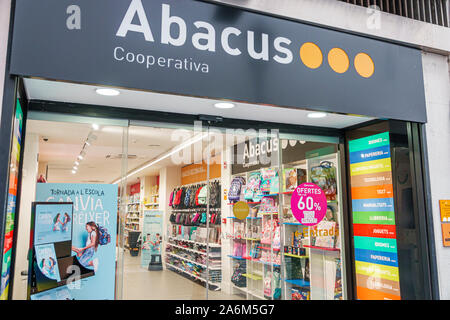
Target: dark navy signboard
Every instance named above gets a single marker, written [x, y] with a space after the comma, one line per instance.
[201, 49]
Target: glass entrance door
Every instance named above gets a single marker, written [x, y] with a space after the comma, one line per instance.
[222, 213]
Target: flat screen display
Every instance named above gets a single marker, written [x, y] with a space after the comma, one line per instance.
[53, 223]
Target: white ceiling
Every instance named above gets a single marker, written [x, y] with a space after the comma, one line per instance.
[38, 89]
[65, 141]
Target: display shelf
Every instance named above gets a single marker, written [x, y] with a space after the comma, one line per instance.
[212, 245]
[211, 254]
[252, 276]
[298, 282]
[243, 289]
[322, 248]
[192, 261]
[295, 256]
[236, 257]
[192, 275]
[269, 248]
[293, 224]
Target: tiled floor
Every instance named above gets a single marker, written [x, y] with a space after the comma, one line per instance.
[141, 284]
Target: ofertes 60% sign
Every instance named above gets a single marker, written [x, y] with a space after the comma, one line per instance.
[309, 204]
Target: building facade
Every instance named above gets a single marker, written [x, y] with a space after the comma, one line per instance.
[402, 46]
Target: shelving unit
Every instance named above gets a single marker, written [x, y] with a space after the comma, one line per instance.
[197, 256]
[318, 264]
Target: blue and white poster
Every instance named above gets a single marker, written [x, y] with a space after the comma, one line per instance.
[60, 293]
[151, 236]
[93, 235]
[53, 223]
[47, 262]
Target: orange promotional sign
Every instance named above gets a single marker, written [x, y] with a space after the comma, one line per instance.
[195, 173]
[444, 205]
[373, 192]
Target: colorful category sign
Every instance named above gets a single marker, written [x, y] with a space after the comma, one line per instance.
[11, 209]
[94, 217]
[374, 232]
[309, 204]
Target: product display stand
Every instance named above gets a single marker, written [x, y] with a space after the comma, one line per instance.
[311, 261]
[193, 249]
[273, 256]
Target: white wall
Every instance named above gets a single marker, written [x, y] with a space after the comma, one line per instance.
[437, 91]
[29, 176]
[5, 8]
[341, 15]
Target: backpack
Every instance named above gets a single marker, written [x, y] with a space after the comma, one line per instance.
[324, 175]
[187, 197]
[253, 185]
[171, 199]
[103, 236]
[178, 197]
[202, 195]
[214, 195]
[268, 205]
[192, 197]
[237, 277]
[235, 189]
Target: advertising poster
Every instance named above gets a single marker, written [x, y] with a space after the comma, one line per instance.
[375, 239]
[53, 223]
[11, 209]
[152, 232]
[47, 262]
[94, 222]
[61, 293]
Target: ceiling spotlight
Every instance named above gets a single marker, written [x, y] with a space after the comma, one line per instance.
[107, 92]
[88, 143]
[95, 126]
[80, 157]
[317, 115]
[224, 105]
[73, 172]
[75, 168]
[77, 163]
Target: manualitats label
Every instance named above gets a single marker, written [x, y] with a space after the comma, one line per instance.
[374, 232]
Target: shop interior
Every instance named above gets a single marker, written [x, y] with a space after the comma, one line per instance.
[206, 251]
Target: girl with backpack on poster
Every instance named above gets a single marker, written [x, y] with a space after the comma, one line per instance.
[66, 220]
[96, 236]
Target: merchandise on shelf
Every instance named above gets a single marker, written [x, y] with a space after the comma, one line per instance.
[236, 189]
[324, 175]
[300, 294]
[289, 179]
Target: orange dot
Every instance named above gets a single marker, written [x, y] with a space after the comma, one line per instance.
[311, 55]
[364, 65]
[338, 60]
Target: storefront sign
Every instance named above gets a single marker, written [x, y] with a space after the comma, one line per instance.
[94, 205]
[309, 204]
[207, 50]
[375, 238]
[5, 265]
